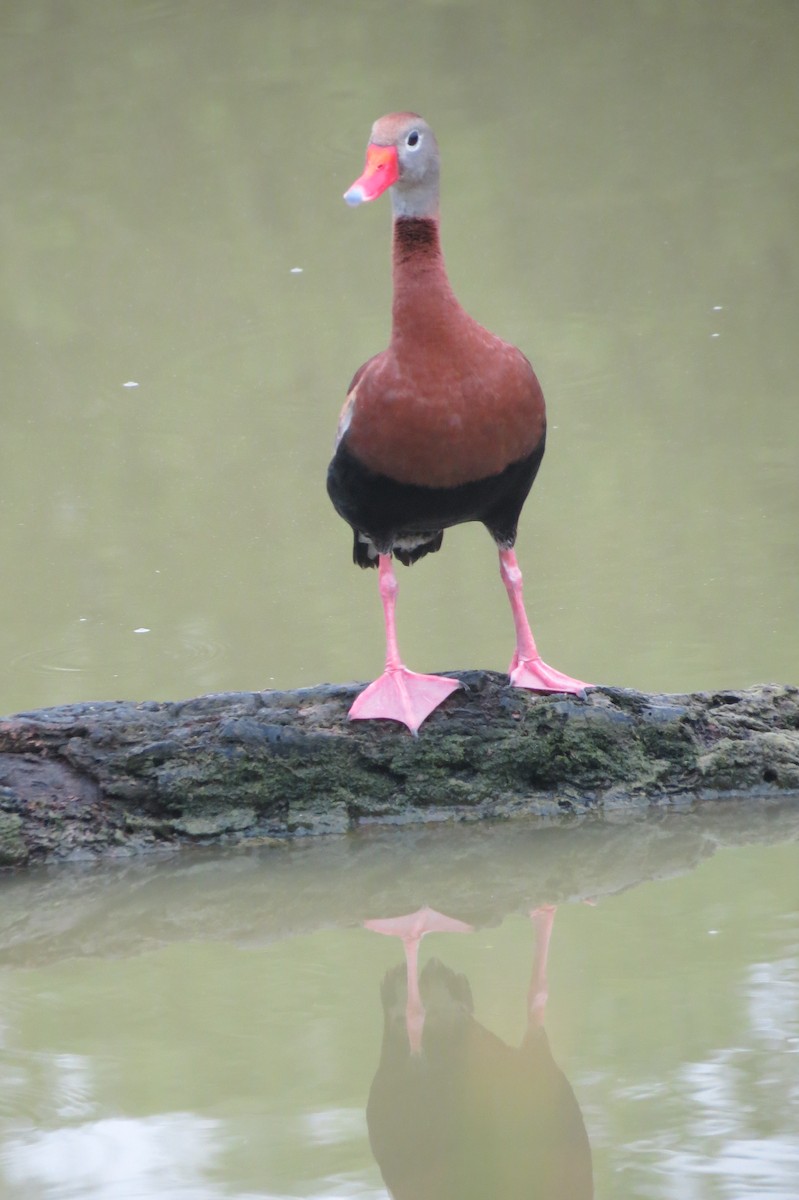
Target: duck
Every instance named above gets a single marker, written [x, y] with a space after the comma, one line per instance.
[447, 425]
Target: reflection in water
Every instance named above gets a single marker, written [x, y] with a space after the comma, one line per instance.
[411, 929]
[113, 1157]
[186, 1029]
[456, 1112]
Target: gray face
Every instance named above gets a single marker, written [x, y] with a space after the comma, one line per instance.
[415, 194]
[418, 154]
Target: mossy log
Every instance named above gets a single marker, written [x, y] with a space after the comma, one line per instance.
[118, 777]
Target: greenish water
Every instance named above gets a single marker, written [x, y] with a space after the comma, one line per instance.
[212, 1027]
[619, 198]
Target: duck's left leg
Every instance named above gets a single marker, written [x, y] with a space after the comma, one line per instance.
[527, 668]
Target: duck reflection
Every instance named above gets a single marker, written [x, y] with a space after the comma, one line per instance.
[453, 1110]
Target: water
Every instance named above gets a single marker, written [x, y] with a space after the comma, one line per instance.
[213, 1027]
[613, 200]
[619, 198]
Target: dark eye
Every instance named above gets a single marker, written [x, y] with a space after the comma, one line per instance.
[413, 139]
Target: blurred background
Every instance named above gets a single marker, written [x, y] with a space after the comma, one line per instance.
[619, 199]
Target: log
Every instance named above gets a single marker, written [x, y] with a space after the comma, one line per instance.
[119, 777]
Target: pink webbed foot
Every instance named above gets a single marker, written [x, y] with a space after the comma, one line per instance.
[527, 669]
[415, 925]
[536, 676]
[402, 695]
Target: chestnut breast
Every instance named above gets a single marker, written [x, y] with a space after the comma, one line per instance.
[444, 411]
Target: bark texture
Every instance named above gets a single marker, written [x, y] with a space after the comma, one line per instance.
[118, 777]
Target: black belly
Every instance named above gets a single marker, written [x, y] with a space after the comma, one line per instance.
[407, 520]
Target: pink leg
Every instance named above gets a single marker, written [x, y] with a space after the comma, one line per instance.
[527, 669]
[399, 694]
[411, 929]
[543, 919]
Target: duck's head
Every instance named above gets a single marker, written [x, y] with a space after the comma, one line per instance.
[403, 155]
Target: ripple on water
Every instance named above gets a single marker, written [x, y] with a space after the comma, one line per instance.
[105, 660]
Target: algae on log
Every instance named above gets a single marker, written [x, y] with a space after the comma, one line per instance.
[117, 777]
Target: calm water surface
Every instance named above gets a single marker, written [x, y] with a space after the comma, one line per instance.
[213, 1028]
[616, 201]
[620, 200]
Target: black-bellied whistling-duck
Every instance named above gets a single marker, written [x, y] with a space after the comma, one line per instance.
[446, 425]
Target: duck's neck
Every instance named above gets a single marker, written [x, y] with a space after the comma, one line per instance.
[424, 304]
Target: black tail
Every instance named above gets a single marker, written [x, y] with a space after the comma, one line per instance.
[365, 553]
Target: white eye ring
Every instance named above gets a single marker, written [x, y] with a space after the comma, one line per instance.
[417, 140]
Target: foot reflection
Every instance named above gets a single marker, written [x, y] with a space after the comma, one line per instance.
[453, 1110]
[411, 929]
